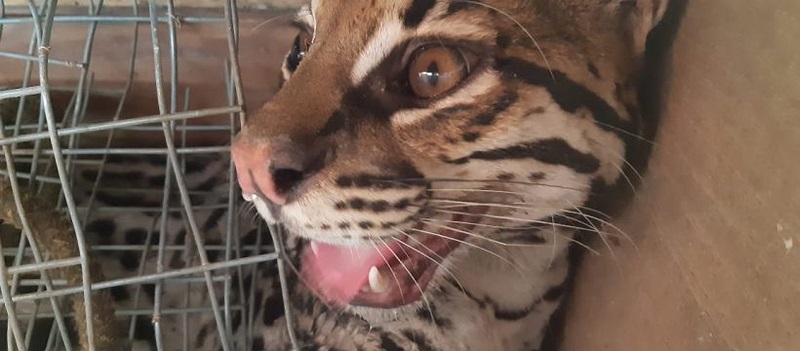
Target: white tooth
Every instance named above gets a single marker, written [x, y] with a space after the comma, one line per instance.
[315, 248]
[377, 282]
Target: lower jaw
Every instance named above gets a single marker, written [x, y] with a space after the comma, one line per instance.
[411, 273]
[397, 296]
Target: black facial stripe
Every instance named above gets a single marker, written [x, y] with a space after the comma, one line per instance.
[431, 315]
[335, 123]
[388, 344]
[515, 315]
[536, 176]
[554, 151]
[416, 12]
[368, 181]
[420, 339]
[487, 118]
[527, 235]
[377, 206]
[568, 94]
[593, 70]
[552, 295]
[447, 112]
[456, 6]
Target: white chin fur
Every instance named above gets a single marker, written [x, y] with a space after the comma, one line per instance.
[263, 210]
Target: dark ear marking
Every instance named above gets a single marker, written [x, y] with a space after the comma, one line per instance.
[642, 17]
[416, 12]
[593, 70]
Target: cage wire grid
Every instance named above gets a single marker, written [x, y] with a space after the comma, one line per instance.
[48, 150]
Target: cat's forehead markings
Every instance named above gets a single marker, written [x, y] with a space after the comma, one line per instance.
[380, 45]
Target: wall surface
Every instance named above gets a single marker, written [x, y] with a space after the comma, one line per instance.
[717, 221]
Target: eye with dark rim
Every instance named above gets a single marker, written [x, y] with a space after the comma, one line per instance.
[302, 42]
[435, 70]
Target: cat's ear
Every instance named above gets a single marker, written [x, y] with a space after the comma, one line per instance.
[640, 17]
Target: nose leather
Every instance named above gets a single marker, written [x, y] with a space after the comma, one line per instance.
[253, 162]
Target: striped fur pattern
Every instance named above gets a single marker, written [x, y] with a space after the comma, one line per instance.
[542, 127]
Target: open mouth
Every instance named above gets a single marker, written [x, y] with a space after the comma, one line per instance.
[390, 273]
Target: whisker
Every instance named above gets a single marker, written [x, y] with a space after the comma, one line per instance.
[267, 21]
[561, 225]
[613, 254]
[525, 30]
[626, 132]
[604, 222]
[495, 241]
[396, 280]
[458, 204]
[492, 191]
[598, 212]
[528, 221]
[438, 264]
[516, 267]
[489, 181]
[626, 163]
[506, 192]
[553, 251]
[422, 292]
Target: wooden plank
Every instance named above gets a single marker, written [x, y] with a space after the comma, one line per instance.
[716, 223]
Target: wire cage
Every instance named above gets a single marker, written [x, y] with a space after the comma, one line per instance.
[56, 291]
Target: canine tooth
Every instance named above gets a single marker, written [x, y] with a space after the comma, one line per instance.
[315, 248]
[377, 282]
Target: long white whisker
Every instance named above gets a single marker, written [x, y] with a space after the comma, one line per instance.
[396, 280]
[459, 204]
[422, 292]
[613, 255]
[625, 162]
[267, 21]
[602, 221]
[493, 241]
[470, 245]
[525, 30]
[560, 225]
[515, 219]
[487, 181]
[438, 264]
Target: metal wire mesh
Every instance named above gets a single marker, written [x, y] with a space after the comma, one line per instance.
[42, 152]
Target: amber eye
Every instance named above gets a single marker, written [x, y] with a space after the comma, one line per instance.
[435, 70]
[301, 45]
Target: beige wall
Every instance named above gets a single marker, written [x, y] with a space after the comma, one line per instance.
[717, 222]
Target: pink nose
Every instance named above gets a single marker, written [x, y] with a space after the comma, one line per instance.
[273, 170]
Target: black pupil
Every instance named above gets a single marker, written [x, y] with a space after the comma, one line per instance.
[295, 56]
[431, 74]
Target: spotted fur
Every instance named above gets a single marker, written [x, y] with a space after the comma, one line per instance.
[542, 131]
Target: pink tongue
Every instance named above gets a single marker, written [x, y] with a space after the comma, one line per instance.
[339, 272]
